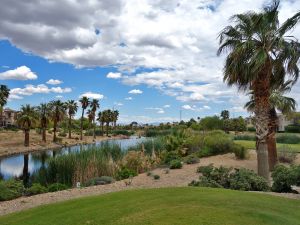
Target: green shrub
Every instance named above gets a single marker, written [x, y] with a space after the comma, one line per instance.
[286, 155]
[175, 164]
[282, 179]
[122, 132]
[251, 129]
[125, 173]
[98, 132]
[205, 182]
[288, 139]
[100, 181]
[296, 174]
[156, 177]
[292, 129]
[245, 137]
[11, 189]
[169, 156]
[57, 187]
[239, 151]
[205, 170]
[191, 159]
[36, 189]
[156, 132]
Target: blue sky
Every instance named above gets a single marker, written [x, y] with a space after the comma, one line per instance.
[163, 51]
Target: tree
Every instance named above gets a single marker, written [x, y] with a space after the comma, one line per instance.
[43, 112]
[4, 94]
[107, 117]
[84, 104]
[27, 119]
[115, 116]
[211, 123]
[260, 50]
[58, 112]
[94, 107]
[72, 108]
[101, 121]
[277, 102]
[225, 114]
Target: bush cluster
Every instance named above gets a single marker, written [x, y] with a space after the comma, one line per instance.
[11, 189]
[236, 179]
[175, 164]
[125, 173]
[288, 139]
[292, 129]
[284, 177]
[191, 159]
[36, 189]
[100, 181]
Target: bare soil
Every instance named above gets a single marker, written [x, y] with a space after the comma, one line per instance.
[174, 178]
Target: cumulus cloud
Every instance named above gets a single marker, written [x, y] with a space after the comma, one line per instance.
[135, 92]
[167, 106]
[20, 73]
[129, 98]
[112, 75]
[54, 82]
[92, 95]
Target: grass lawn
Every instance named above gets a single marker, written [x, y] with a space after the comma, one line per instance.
[251, 145]
[182, 206]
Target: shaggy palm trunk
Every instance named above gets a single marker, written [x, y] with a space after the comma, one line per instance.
[44, 134]
[70, 126]
[81, 124]
[26, 141]
[272, 151]
[262, 109]
[25, 175]
[54, 130]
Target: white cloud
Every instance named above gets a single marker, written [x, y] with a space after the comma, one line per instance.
[187, 107]
[92, 95]
[167, 106]
[129, 98]
[54, 82]
[112, 75]
[206, 107]
[118, 103]
[157, 109]
[59, 96]
[20, 73]
[135, 92]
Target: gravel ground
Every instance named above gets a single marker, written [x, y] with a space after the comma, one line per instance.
[175, 178]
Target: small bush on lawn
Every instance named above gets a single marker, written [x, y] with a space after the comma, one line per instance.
[191, 159]
[36, 189]
[57, 187]
[292, 129]
[288, 139]
[156, 177]
[251, 129]
[175, 164]
[205, 182]
[296, 174]
[286, 155]
[125, 173]
[11, 189]
[239, 151]
[284, 177]
[100, 181]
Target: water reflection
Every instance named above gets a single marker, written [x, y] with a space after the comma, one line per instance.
[23, 165]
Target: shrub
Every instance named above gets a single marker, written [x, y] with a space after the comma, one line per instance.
[98, 132]
[100, 181]
[292, 129]
[10, 189]
[251, 129]
[62, 134]
[296, 174]
[57, 187]
[125, 173]
[156, 132]
[175, 164]
[122, 132]
[239, 151]
[205, 170]
[288, 139]
[244, 137]
[205, 182]
[170, 156]
[282, 179]
[286, 155]
[136, 161]
[149, 174]
[191, 159]
[156, 177]
[36, 189]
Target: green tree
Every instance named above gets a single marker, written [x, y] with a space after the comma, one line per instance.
[27, 119]
[58, 112]
[84, 104]
[107, 117]
[260, 49]
[44, 113]
[94, 107]
[115, 117]
[72, 108]
[4, 94]
[225, 114]
[211, 123]
[101, 120]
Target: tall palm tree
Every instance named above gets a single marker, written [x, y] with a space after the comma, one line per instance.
[115, 116]
[277, 102]
[27, 119]
[43, 112]
[4, 94]
[72, 108]
[259, 50]
[58, 112]
[84, 104]
[94, 107]
[107, 117]
[101, 120]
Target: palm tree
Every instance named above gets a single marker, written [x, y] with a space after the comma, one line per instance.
[107, 118]
[27, 119]
[58, 111]
[90, 115]
[94, 106]
[43, 111]
[4, 94]
[84, 104]
[258, 52]
[101, 120]
[115, 116]
[280, 102]
[72, 108]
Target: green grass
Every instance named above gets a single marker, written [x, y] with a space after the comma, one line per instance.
[174, 206]
[251, 145]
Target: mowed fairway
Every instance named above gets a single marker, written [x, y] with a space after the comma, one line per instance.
[166, 206]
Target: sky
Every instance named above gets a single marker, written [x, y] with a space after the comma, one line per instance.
[150, 59]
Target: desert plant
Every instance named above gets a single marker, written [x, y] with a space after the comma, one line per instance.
[156, 177]
[57, 187]
[125, 173]
[36, 189]
[175, 164]
[11, 189]
[191, 159]
[282, 179]
[100, 181]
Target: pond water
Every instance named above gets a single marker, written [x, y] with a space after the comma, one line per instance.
[13, 166]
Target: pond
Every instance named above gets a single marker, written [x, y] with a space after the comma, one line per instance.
[13, 166]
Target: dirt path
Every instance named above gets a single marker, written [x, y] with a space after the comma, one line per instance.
[175, 178]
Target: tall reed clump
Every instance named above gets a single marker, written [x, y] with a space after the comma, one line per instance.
[81, 166]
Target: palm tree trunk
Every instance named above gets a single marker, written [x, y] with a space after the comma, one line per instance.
[25, 175]
[54, 131]
[107, 125]
[81, 124]
[272, 151]
[70, 126]
[262, 109]
[1, 116]
[94, 132]
[26, 141]
[44, 134]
